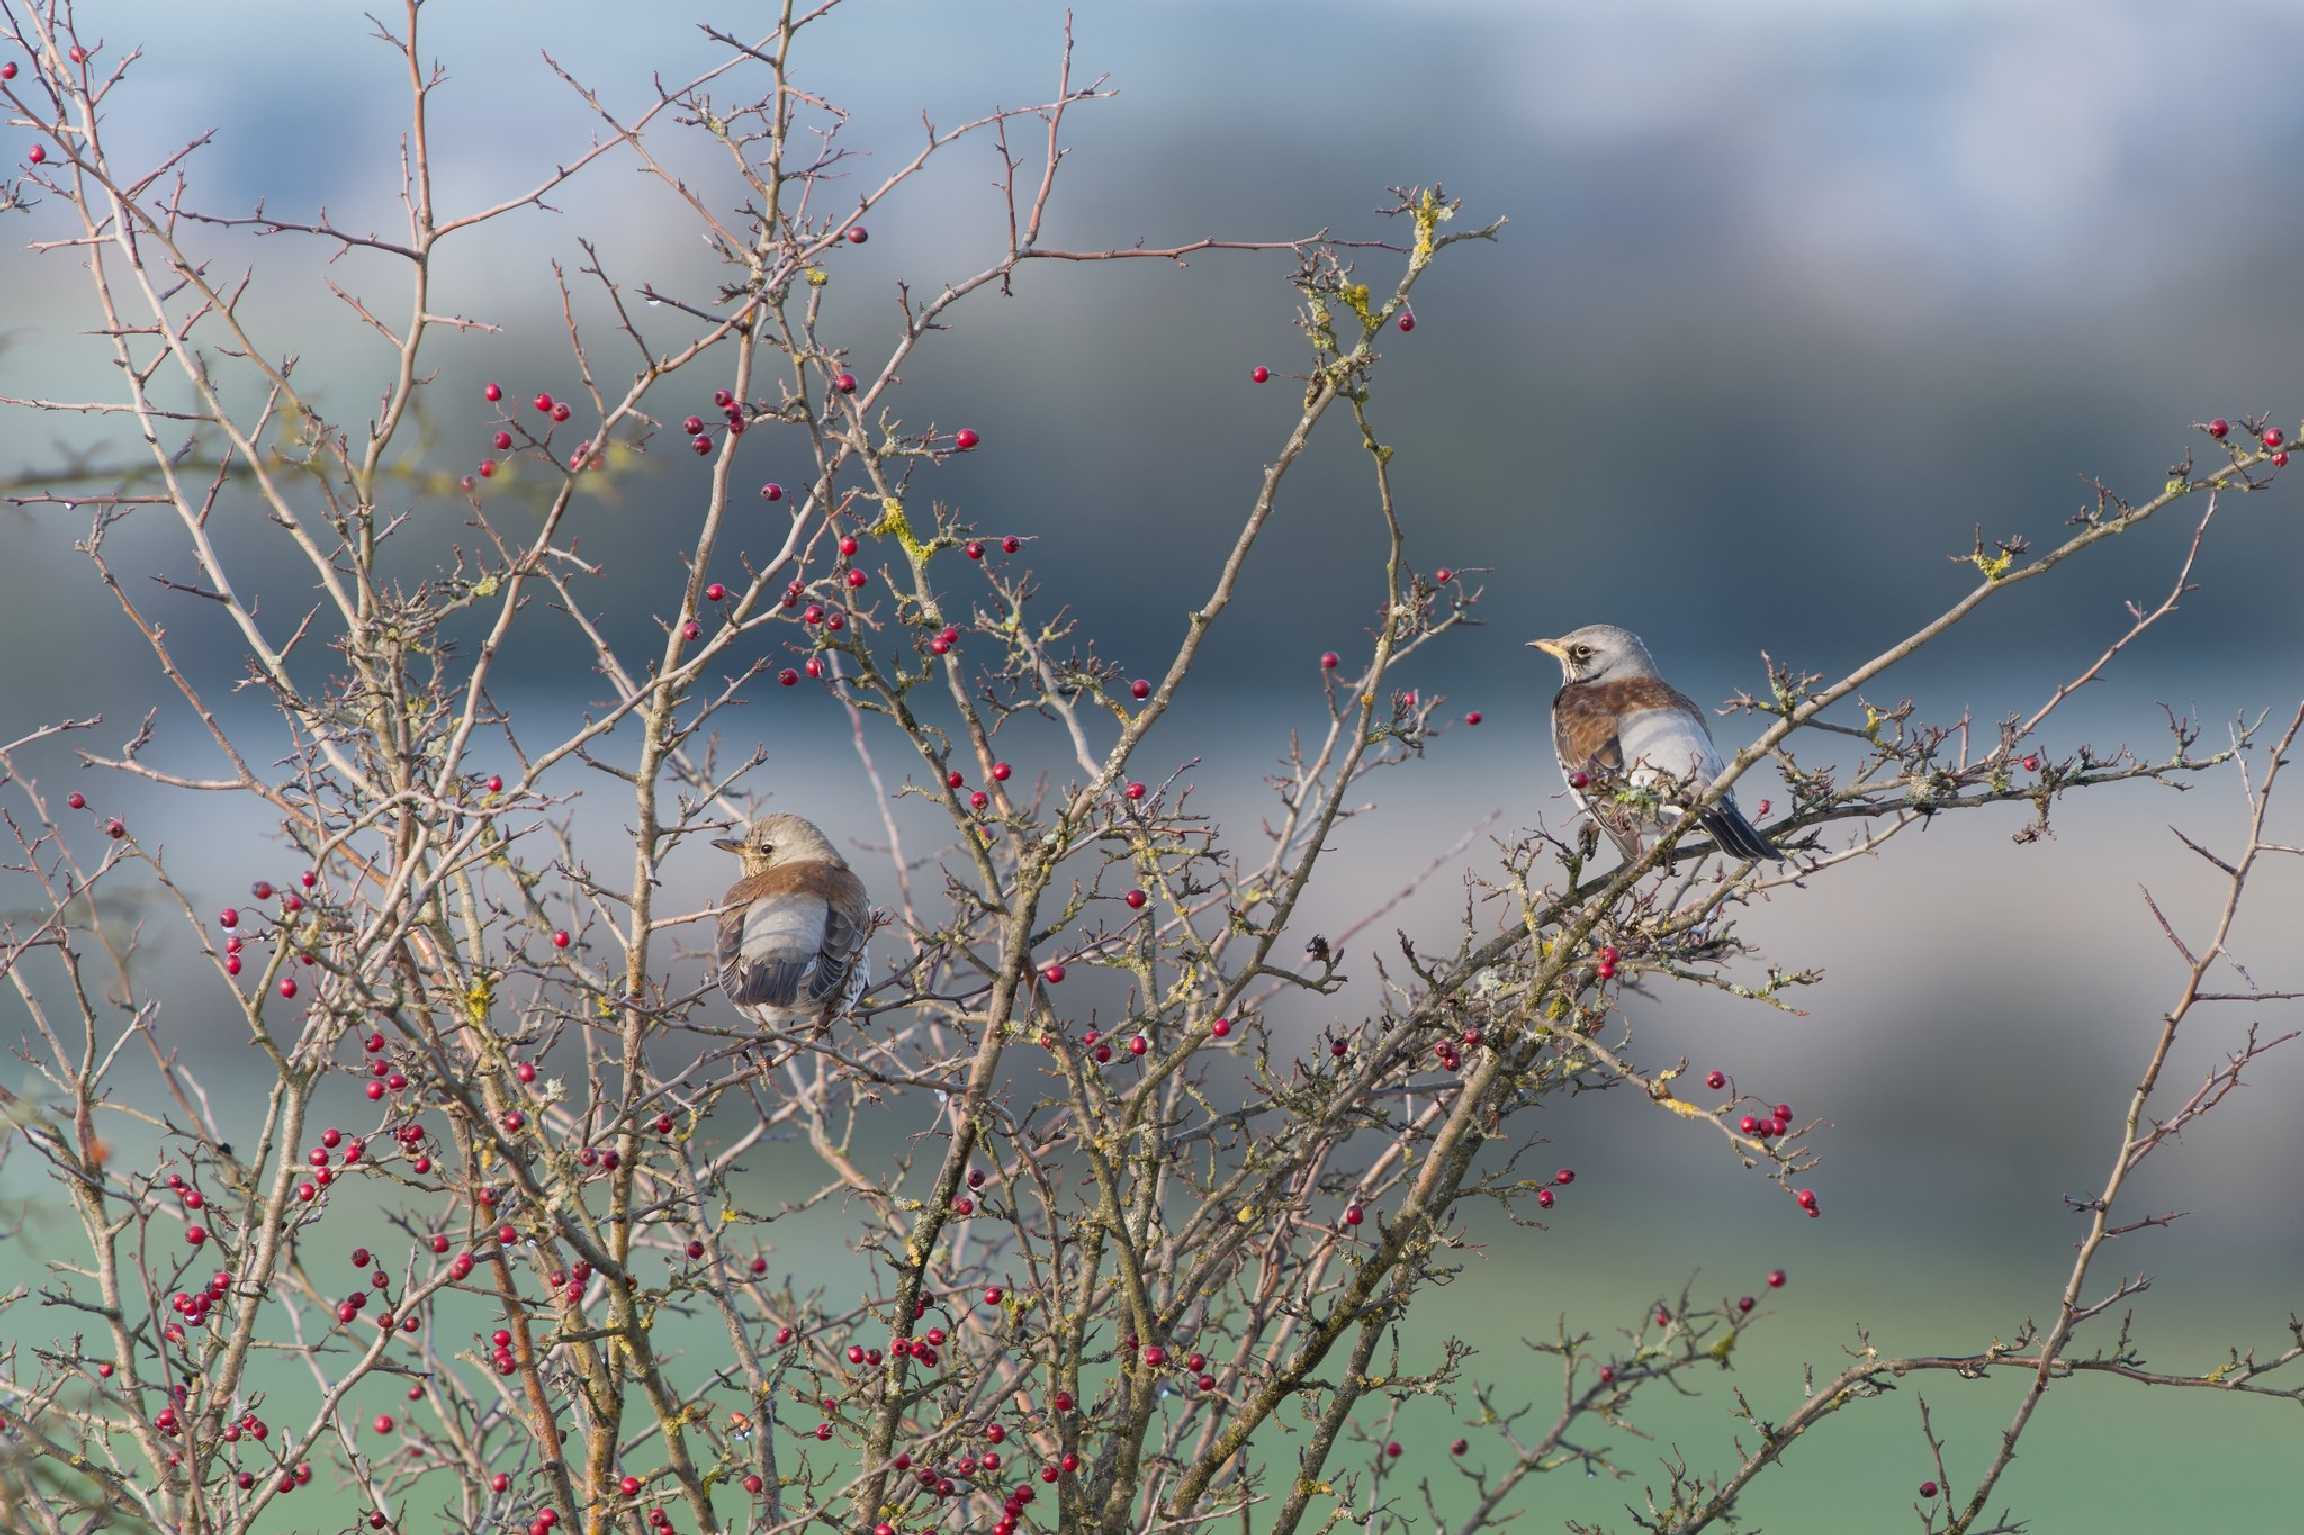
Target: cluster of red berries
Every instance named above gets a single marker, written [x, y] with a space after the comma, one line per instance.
[2273, 439]
[1008, 545]
[193, 1306]
[115, 828]
[1448, 1054]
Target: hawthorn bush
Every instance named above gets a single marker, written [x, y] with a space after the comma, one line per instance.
[1150, 1269]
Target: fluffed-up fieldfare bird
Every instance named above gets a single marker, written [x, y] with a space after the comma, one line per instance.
[792, 936]
[1629, 742]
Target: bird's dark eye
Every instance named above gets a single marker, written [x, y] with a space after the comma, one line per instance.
[767, 847]
[1580, 652]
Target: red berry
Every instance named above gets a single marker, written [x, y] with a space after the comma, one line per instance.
[288, 988]
[2280, 459]
[115, 828]
[753, 1484]
[2031, 762]
[845, 383]
[560, 411]
[1000, 772]
[858, 234]
[1715, 1080]
[1564, 1176]
[195, 1234]
[692, 425]
[715, 592]
[975, 550]
[8, 72]
[1135, 791]
[1927, 1489]
[228, 917]
[1139, 689]
[1139, 1045]
[494, 392]
[1407, 323]
[855, 578]
[1472, 718]
[788, 676]
[1053, 974]
[1775, 1279]
[1443, 576]
[1579, 780]
[701, 445]
[503, 441]
[544, 403]
[308, 879]
[495, 783]
[76, 800]
[2218, 427]
[2273, 437]
[1807, 1198]
[771, 491]
[691, 629]
[1135, 900]
[1259, 375]
[560, 939]
[1544, 1198]
[1221, 1027]
[964, 439]
[1353, 1215]
[848, 544]
[1011, 544]
[39, 153]
[487, 468]
[383, 1423]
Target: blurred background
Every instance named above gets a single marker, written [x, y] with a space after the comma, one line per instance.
[1795, 296]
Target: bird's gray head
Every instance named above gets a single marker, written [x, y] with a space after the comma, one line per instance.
[779, 839]
[1599, 653]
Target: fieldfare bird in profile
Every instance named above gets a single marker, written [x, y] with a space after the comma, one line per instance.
[1629, 743]
[792, 931]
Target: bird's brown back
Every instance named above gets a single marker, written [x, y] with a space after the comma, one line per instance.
[834, 883]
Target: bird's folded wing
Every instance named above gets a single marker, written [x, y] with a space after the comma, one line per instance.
[791, 931]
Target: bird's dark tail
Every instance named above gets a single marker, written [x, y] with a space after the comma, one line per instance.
[1736, 835]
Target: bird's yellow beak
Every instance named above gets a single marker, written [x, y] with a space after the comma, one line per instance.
[728, 844]
[1552, 648]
